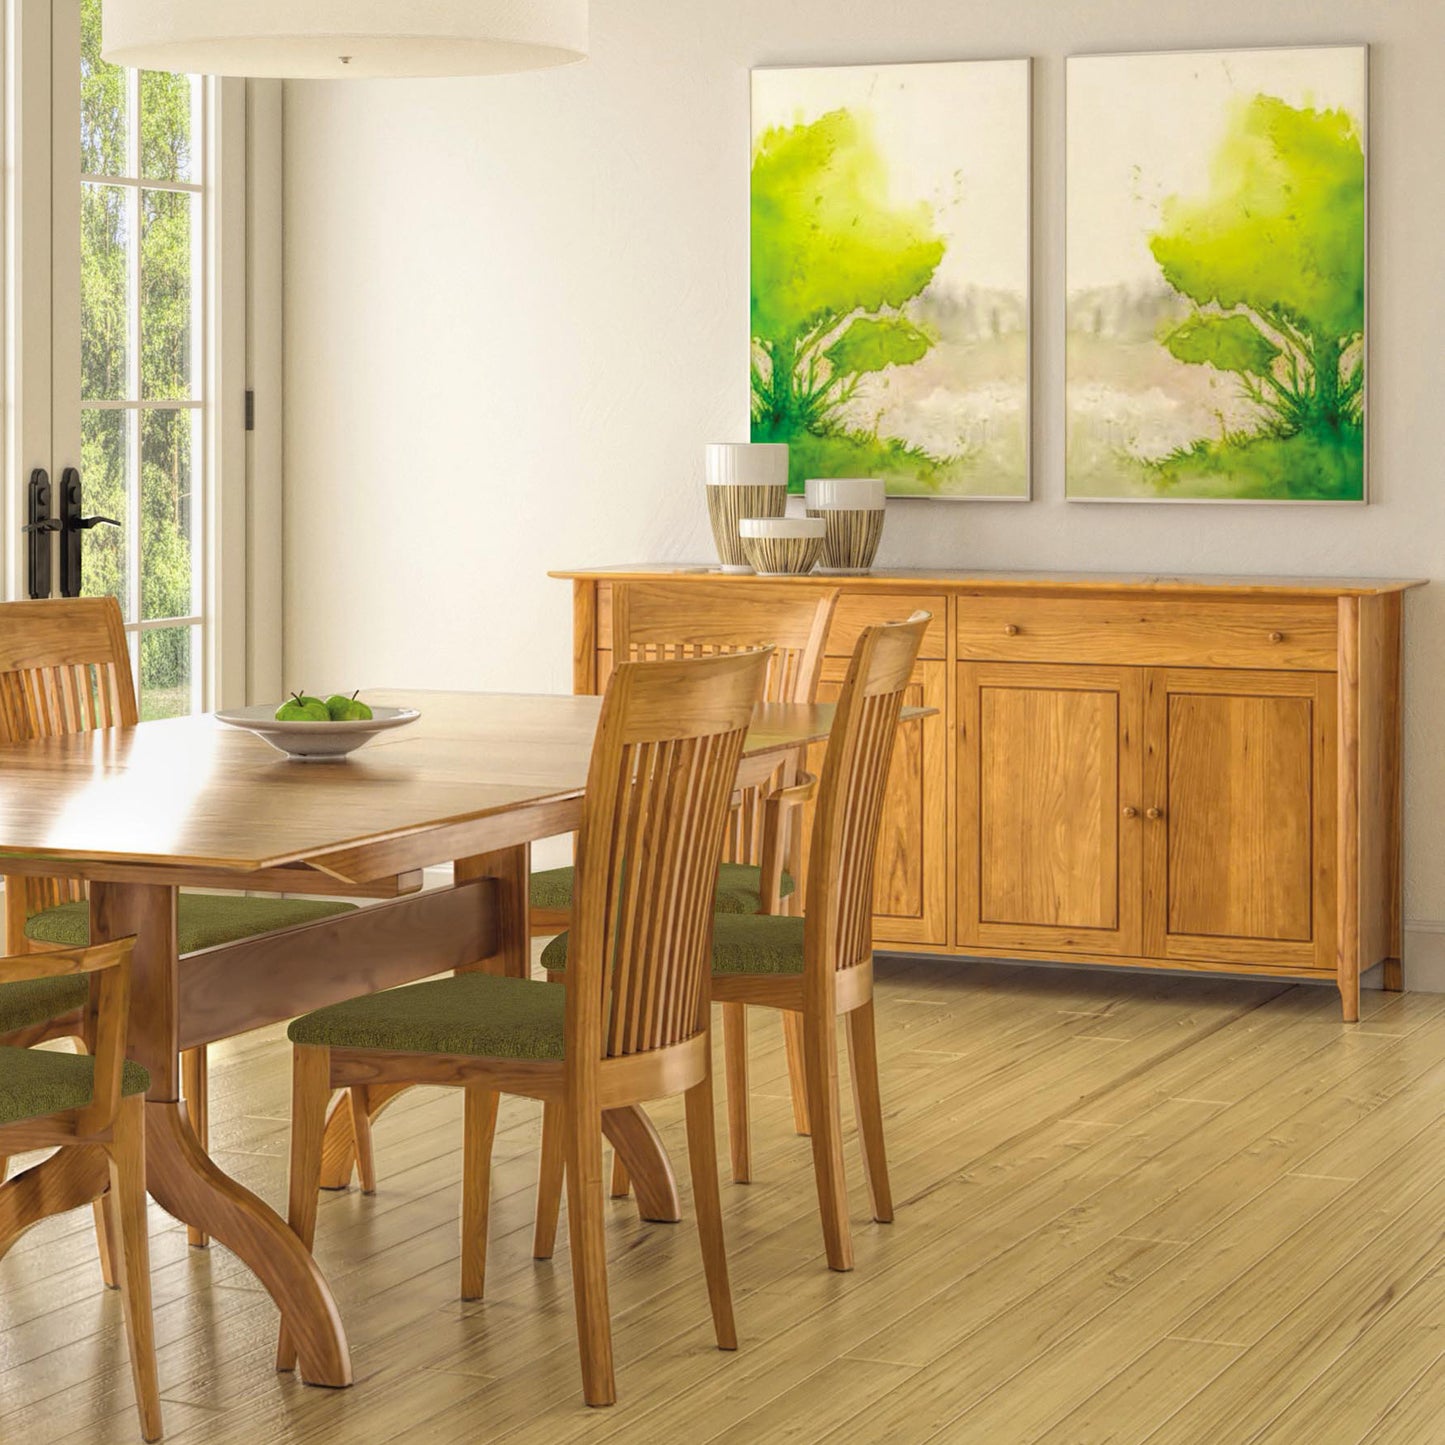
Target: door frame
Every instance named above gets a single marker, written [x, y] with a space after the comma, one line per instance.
[40, 107]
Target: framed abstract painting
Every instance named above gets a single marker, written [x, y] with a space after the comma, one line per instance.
[1217, 273]
[890, 274]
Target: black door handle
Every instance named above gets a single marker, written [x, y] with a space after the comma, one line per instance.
[39, 524]
[72, 524]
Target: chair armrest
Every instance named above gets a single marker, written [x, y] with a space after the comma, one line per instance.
[58, 963]
[112, 1015]
[803, 791]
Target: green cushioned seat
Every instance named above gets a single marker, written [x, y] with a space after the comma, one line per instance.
[739, 889]
[34, 1001]
[741, 943]
[203, 920]
[474, 1014]
[36, 1082]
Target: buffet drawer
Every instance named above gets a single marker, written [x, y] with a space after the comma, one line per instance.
[1150, 632]
[857, 610]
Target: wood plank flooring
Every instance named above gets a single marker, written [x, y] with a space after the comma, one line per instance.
[1154, 1211]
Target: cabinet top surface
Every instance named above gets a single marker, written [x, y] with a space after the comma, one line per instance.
[893, 578]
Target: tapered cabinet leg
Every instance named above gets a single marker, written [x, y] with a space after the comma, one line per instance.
[479, 1131]
[821, 1054]
[133, 1265]
[735, 1063]
[707, 1200]
[863, 1054]
[195, 1084]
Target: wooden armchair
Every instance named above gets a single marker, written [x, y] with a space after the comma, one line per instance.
[65, 668]
[92, 1108]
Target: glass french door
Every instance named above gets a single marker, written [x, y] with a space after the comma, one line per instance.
[115, 336]
[138, 168]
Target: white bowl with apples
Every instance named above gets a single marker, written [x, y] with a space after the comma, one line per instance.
[310, 729]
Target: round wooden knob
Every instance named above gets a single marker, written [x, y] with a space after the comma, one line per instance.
[1131, 812]
[1276, 637]
[1011, 630]
[1154, 813]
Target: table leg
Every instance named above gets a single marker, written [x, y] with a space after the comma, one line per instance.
[512, 868]
[182, 1180]
[67, 1180]
[188, 1186]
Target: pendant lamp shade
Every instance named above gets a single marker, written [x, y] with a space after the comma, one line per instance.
[340, 39]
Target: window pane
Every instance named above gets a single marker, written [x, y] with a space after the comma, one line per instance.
[104, 474]
[168, 670]
[104, 292]
[168, 107]
[165, 294]
[167, 515]
[103, 129]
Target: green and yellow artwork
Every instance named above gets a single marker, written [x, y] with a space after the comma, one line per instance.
[1216, 276]
[890, 274]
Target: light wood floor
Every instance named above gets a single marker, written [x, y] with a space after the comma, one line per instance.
[1131, 1209]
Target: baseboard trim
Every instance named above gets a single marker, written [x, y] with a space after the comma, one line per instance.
[1425, 957]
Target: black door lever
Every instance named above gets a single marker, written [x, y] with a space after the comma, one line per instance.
[72, 524]
[39, 524]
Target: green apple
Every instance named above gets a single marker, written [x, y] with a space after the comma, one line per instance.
[347, 709]
[302, 709]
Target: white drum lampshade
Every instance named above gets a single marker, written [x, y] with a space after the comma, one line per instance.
[337, 39]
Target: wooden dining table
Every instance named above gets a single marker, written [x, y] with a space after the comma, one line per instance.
[139, 813]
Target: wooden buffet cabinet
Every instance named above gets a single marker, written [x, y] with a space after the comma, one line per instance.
[1160, 772]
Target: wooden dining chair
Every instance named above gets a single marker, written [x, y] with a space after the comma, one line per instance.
[657, 623]
[92, 1109]
[819, 967]
[631, 1025]
[760, 857]
[65, 668]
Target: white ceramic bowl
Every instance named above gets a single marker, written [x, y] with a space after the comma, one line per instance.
[781, 527]
[782, 546]
[747, 464]
[316, 742]
[847, 494]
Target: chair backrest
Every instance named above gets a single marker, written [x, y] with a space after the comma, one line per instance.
[663, 770]
[657, 621]
[839, 929]
[64, 668]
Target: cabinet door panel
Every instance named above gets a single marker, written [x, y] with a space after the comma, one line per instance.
[1049, 763]
[1239, 860]
[910, 886]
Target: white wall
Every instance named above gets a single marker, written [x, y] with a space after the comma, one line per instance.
[516, 308]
